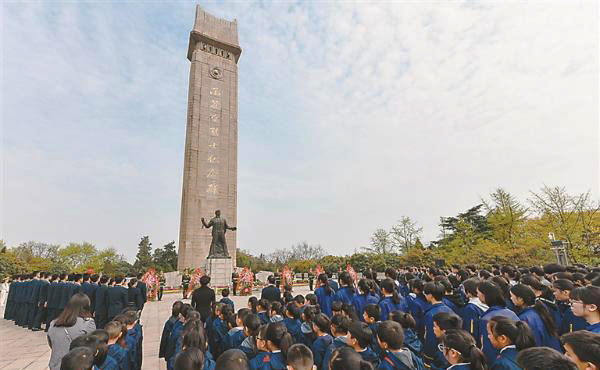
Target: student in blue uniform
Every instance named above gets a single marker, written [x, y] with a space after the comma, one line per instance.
[360, 338]
[544, 358]
[332, 283]
[262, 354]
[226, 299]
[434, 292]
[363, 298]
[471, 313]
[278, 342]
[583, 348]
[251, 331]
[235, 336]
[569, 322]
[411, 340]
[461, 351]
[262, 310]
[320, 326]
[115, 350]
[508, 337]
[339, 331]
[417, 304]
[442, 322]
[292, 322]
[585, 302]
[168, 329]
[371, 316]
[391, 300]
[346, 291]
[299, 357]
[306, 318]
[101, 302]
[325, 294]
[491, 295]
[537, 316]
[390, 337]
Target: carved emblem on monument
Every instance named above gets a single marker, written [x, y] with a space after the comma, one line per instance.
[215, 72]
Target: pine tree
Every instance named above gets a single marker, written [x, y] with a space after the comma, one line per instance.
[143, 259]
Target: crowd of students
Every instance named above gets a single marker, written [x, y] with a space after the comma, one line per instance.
[92, 321]
[416, 318]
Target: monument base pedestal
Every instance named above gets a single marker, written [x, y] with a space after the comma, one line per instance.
[219, 269]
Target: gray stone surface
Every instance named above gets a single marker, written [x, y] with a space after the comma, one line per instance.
[210, 163]
[219, 270]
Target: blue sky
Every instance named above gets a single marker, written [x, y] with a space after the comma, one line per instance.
[350, 115]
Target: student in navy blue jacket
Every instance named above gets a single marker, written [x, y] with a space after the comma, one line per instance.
[569, 322]
[235, 335]
[371, 316]
[332, 283]
[396, 356]
[434, 292]
[583, 348]
[491, 295]
[278, 342]
[391, 300]
[168, 329]
[324, 295]
[363, 298]
[417, 304]
[320, 326]
[226, 299]
[101, 303]
[262, 310]
[461, 351]
[411, 340]
[508, 337]
[585, 302]
[251, 331]
[442, 322]
[346, 292]
[292, 322]
[471, 313]
[537, 316]
[360, 338]
[339, 331]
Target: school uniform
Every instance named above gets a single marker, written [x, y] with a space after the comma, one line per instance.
[264, 317]
[164, 338]
[307, 334]
[319, 347]
[109, 364]
[412, 342]
[540, 332]
[404, 359]
[117, 299]
[101, 305]
[335, 344]
[52, 303]
[490, 352]
[470, 315]
[227, 301]
[453, 306]
[359, 301]
[248, 346]
[374, 343]
[209, 361]
[120, 355]
[293, 327]
[260, 360]
[170, 350]
[333, 284]
[507, 359]
[569, 322]
[234, 338]
[369, 355]
[387, 305]
[462, 366]
[417, 306]
[134, 298]
[132, 343]
[324, 300]
[594, 328]
[42, 309]
[344, 295]
[430, 341]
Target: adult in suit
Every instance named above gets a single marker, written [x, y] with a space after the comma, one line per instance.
[101, 303]
[143, 288]
[117, 298]
[134, 295]
[271, 292]
[203, 298]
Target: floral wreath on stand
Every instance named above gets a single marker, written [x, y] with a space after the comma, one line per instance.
[246, 281]
[318, 271]
[287, 276]
[152, 282]
[195, 279]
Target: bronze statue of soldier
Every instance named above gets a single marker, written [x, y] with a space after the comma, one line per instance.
[218, 246]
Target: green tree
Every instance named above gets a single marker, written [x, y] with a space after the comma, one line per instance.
[77, 256]
[143, 258]
[505, 216]
[165, 258]
[381, 242]
[405, 234]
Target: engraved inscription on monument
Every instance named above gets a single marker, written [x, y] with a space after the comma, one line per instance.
[210, 163]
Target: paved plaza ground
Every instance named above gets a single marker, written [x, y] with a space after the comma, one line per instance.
[23, 349]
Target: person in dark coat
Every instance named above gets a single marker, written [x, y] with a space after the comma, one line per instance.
[42, 303]
[117, 298]
[101, 303]
[203, 298]
[134, 295]
[271, 292]
[143, 288]
[52, 300]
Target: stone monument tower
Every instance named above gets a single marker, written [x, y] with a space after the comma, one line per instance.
[210, 164]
